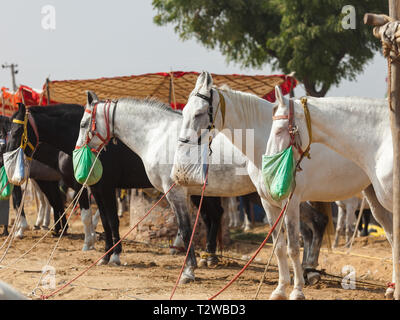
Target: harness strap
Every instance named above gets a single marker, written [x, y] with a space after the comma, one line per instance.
[309, 127]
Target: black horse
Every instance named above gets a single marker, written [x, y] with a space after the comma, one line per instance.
[47, 176]
[58, 126]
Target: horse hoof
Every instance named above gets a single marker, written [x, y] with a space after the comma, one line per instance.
[212, 262]
[313, 277]
[202, 263]
[35, 227]
[45, 228]
[114, 260]
[277, 296]
[389, 294]
[186, 279]
[87, 247]
[102, 262]
[297, 295]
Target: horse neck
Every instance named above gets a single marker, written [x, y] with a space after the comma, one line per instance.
[142, 126]
[56, 131]
[248, 112]
[352, 127]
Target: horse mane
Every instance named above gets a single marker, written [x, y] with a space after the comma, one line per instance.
[152, 103]
[56, 110]
[5, 122]
[243, 98]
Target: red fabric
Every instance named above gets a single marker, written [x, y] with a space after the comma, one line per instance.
[290, 83]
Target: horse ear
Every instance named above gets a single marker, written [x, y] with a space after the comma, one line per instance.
[91, 97]
[279, 95]
[209, 81]
[200, 80]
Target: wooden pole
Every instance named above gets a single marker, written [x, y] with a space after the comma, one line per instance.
[173, 89]
[48, 91]
[394, 13]
[2, 104]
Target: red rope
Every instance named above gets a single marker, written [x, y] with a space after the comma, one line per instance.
[191, 238]
[43, 297]
[253, 257]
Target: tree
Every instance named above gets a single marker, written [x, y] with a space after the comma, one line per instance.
[305, 36]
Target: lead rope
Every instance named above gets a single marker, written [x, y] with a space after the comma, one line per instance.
[45, 297]
[192, 236]
[255, 254]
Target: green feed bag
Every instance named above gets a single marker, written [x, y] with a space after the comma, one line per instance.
[6, 187]
[83, 160]
[278, 174]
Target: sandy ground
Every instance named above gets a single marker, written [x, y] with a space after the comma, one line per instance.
[149, 271]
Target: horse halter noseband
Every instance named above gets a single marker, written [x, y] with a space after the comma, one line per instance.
[295, 140]
[93, 127]
[24, 138]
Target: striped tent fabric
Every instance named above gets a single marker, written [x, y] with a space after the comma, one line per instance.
[169, 87]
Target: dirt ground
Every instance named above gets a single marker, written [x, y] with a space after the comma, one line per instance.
[149, 271]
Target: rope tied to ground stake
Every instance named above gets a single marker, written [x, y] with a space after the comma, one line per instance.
[45, 297]
[254, 256]
[192, 236]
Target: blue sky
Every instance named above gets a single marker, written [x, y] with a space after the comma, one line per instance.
[114, 38]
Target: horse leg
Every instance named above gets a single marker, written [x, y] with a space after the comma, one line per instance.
[280, 252]
[38, 195]
[292, 223]
[212, 211]
[317, 223]
[351, 208]
[98, 196]
[17, 199]
[110, 206]
[53, 194]
[86, 217]
[366, 217]
[179, 203]
[340, 223]
[385, 219]
[246, 208]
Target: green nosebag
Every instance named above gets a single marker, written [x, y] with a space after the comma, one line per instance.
[278, 174]
[83, 160]
[6, 187]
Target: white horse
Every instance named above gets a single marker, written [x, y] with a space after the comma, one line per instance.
[151, 130]
[230, 205]
[326, 177]
[356, 128]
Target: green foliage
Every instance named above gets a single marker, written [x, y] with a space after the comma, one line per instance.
[305, 36]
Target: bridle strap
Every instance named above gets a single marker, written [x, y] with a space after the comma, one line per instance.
[24, 138]
[293, 131]
[93, 127]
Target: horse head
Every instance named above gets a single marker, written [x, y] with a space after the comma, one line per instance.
[95, 123]
[200, 115]
[287, 128]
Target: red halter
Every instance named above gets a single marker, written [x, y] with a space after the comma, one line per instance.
[93, 128]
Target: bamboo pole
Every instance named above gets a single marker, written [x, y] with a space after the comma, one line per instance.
[48, 91]
[394, 13]
[2, 104]
[394, 109]
[173, 89]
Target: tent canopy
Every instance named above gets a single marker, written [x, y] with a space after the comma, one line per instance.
[168, 87]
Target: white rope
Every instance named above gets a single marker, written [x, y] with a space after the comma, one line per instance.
[63, 230]
[17, 220]
[44, 236]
